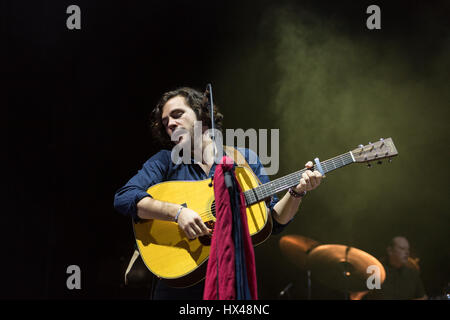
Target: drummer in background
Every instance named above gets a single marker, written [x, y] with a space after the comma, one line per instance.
[403, 281]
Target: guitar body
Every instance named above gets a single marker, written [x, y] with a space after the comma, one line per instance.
[163, 246]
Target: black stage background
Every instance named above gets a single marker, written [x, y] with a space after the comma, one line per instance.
[77, 125]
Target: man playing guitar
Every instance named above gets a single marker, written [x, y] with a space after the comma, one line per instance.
[174, 116]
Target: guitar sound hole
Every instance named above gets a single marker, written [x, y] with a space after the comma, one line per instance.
[213, 208]
[206, 240]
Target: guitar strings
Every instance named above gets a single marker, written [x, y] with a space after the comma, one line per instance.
[261, 192]
[265, 190]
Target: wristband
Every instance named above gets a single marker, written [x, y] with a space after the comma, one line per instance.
[296, 194]
[178, 213]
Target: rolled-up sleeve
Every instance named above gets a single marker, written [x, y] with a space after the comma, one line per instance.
[152, 172]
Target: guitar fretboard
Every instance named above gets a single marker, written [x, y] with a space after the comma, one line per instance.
[267, 190]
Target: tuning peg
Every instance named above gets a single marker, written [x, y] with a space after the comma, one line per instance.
[369, 165]
[380, 162]
[382, 142]
[362, 149]
[390, 160]
[372, 146]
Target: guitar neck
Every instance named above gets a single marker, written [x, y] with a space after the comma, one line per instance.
[268, 189]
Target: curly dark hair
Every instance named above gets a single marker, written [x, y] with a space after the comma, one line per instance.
[194, 99]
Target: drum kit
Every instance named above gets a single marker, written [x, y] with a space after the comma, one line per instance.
[342, 268]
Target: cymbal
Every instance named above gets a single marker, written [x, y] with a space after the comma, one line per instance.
[342, 267]
[296, 248]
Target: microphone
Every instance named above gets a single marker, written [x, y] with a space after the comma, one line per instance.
[208, 92]
[286, 289]
[211, 104]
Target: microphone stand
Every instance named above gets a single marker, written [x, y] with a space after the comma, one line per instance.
[308, 274]
[211, 106]
[346, 274]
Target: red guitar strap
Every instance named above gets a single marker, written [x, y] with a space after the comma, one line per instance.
[231, 269]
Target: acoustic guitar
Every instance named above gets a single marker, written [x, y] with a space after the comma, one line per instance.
[180, 261]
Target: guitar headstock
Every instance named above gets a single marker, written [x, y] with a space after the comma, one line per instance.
[384, 148]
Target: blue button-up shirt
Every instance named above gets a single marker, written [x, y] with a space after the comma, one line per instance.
[160, 168]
